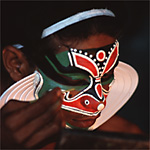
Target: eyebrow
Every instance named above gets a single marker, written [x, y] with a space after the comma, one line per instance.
[106, 48]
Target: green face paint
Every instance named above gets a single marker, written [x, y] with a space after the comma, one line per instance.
[73, 76]
[49, 84]
[64, 60]
[108, 81]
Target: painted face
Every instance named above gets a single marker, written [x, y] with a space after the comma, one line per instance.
[90, 75]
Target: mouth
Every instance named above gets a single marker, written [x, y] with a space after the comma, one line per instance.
[86, 118]
[84, 121]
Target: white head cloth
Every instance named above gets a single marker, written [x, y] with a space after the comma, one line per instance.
[74, 19]
[71, 20]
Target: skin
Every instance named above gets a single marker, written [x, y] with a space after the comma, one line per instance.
[33, 125]
[95, 41]
[29, 131]
[24, 124]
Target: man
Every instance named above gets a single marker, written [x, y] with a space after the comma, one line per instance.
[68, 68]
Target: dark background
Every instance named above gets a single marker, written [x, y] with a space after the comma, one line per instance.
[134, 50]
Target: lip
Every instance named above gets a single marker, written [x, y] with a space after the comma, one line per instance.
[85, 118]
[75, 120]
[84, 121]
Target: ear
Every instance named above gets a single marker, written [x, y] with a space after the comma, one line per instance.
[16, 63]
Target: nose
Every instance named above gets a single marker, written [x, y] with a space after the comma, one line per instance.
[100, 107]
[98, 89]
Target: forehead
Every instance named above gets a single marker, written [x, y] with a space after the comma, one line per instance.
[93, 41]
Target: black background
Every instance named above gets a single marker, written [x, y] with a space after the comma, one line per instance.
[134, 49]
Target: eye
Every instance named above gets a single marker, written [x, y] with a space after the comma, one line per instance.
[108, 74]
[108, 77]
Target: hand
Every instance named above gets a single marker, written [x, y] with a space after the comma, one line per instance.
[29, 125]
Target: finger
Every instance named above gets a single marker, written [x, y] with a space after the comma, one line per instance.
[13, 105]
[34, 110]
[63, 119]
[56, 92]
[30, 128]
[49, 131]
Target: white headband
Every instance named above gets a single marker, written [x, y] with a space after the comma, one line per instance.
[18, 46]
[74, 19]
[71, 20]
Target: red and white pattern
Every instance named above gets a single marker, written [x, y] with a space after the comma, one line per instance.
[101, 55]
[85, 63]
[112, 59]
[84, 102]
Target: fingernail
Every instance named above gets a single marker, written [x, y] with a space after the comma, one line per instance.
[62, 96]
[58, 93]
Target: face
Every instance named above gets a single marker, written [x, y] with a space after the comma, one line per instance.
[85, 97]
[93, 42]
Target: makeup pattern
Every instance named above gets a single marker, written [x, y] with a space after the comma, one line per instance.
[91, 100]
